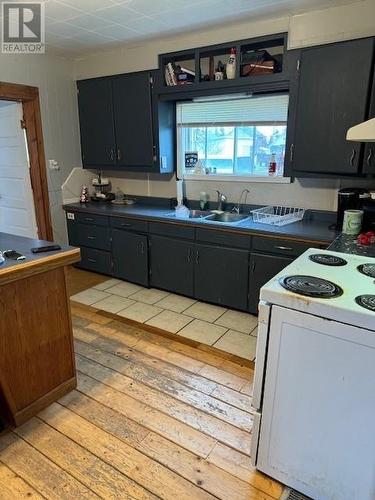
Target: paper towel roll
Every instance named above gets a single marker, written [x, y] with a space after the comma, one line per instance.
[180, 192]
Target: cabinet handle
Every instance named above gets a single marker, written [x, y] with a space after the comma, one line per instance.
[111, 155]
[142, 247]
[197, 257]
[369, 158]
[352, 157]
[91, 237]
[189, 255]
[89, 219]
[279, 247]
[291, 152]
[93, 261]
[119, 157]
[126, 224]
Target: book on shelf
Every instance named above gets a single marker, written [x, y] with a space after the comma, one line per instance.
[177, 75]
[170, 76]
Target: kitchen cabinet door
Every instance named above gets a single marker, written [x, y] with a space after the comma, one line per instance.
[134, 125]
[221, 275]
[332, 95]
[96, 123]
[172, 265]
[130, 256]
[262, 269]
[369, 158]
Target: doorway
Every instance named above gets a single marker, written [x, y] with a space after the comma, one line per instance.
[17, 210]
[24, 206]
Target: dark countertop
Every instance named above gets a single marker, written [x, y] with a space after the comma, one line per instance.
[348, 244]
[314, 227]
[33, 261]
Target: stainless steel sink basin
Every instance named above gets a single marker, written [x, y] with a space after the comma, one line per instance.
[227, 217]
[194, 214]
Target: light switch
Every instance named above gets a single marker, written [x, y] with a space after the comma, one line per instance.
[53, 165]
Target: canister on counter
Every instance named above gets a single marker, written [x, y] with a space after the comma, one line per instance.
[352, 222]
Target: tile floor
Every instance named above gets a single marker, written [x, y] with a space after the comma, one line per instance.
[231, 331]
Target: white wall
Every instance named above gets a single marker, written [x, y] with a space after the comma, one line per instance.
[317, 27]
[54, 77]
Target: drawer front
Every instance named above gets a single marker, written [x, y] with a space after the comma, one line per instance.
[280, 246]
[223, 238]
[140, 226]
[172, 230]
[89, 236]
[96, 260]
[90, 219]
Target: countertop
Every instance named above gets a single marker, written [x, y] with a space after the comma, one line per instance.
[314, 227]
[10, 270]
[348, 244]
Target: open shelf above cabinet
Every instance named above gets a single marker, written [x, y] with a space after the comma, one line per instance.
[258, 61]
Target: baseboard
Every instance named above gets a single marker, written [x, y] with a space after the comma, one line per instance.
[30, 411]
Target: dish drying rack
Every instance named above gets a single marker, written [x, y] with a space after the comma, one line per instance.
[277, 215]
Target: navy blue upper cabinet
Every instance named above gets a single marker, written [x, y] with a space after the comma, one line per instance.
[96, 123]
[134, 131]
[123, 126]
[369, 158]
[331, 95]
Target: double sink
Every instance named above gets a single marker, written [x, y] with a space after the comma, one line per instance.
[224, 217]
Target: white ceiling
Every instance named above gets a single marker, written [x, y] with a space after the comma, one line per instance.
[78, 26]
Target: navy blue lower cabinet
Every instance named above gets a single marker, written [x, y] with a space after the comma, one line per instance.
[130, 256]
[95, 260]
[262, 269]
[91, 236]
[221, 275]
[172, 264]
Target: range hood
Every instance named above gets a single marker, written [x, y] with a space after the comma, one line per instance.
[364, 132]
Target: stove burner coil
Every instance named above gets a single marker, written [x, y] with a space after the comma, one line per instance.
[311, 286]
[367, 270]
[327, 260]
[366, 301]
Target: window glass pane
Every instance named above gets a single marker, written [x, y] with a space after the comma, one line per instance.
[235, 137]
[220, 142]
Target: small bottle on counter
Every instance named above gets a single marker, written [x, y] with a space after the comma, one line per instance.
[231, 64]
[272, 167]
[203, 202]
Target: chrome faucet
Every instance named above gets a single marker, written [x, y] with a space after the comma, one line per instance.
[221, 199]
[237, 208]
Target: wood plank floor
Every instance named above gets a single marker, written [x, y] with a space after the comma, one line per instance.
[151, 418]
[79, 280]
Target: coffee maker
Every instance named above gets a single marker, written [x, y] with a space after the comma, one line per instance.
[349, 199]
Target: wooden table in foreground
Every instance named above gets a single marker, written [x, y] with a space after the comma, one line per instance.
[36, 343]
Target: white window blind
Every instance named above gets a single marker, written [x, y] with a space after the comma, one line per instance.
[265, 109]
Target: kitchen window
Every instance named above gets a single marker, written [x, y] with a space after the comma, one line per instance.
[232, 136]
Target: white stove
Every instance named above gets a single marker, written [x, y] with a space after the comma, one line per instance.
[347, 277]
[314, 388]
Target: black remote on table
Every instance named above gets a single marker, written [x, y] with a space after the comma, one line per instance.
[48, 248]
